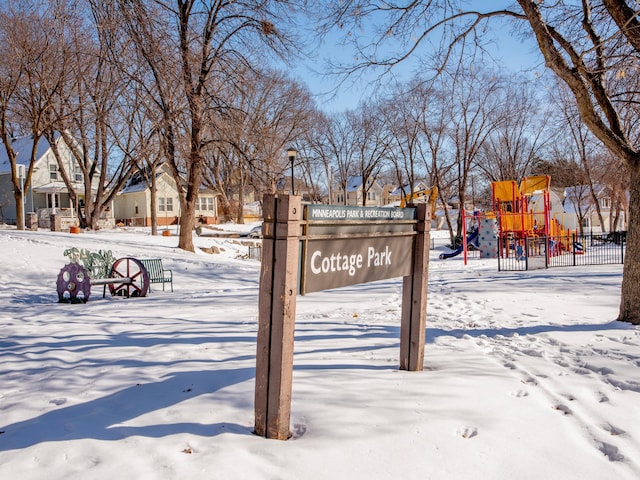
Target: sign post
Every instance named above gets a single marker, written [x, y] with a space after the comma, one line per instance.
[276, 315]
[414, 297]
[330, 247]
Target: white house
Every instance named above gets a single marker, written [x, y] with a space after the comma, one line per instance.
[47, 194]
[356, 192]
[133, 204]
[580, 208]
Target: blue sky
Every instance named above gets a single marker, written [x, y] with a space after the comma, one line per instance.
[515, 54]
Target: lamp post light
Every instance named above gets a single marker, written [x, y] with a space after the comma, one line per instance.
[291, 153]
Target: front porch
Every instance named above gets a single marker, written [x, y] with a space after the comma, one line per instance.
[53, 199]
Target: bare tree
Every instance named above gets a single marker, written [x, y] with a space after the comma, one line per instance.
[211, 39]
[268, 113]
[432, 104]
[11, 71]
[472, 120]
[519, 135]
[402, 112]
[82, 110]
[370, 142]
[317, 150]
[32, 75]
[585, 44]
[336, 142]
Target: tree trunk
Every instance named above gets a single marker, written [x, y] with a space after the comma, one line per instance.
[188, 203]
[17, 194]
[187, 224]
[630, 301]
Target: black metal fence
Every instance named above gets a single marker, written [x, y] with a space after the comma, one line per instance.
[531, 253]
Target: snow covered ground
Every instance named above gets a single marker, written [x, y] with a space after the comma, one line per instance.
[527, 375]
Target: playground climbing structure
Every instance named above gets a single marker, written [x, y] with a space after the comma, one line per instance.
[528, 226]
[522, 222]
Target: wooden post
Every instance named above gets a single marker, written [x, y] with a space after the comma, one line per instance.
[276, 315]
[414, 296]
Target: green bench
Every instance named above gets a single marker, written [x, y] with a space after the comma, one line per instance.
[157, 273]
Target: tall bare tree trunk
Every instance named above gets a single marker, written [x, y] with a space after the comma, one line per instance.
[630, 298]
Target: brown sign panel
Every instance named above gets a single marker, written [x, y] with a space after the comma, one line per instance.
[333, 263]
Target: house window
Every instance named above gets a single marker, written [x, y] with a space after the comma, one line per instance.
[53, 171]
[165, 204]
[202, 203]
[205, 203]
[77, 174]
[371, 195]
[605, 202]
[340, 198]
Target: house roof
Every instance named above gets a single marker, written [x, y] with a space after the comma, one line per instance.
[579, 197]
[582, 191]
[137, 182]
[355, 183]
[59, 187]
[22, 147]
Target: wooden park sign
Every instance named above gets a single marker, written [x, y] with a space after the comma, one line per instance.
[322, 247]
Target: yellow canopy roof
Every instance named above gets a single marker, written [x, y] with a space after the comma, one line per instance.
[528, 185]
[505, 190]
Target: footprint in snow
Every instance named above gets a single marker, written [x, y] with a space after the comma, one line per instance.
[467, 432]
[562, 408]
[615, 431]
[519, 393]
[610, 451]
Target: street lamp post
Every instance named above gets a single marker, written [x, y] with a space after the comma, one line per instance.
[291, 153]
[21, 176]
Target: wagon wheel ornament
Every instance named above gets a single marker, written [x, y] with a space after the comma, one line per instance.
[129, 278]
[73, 284]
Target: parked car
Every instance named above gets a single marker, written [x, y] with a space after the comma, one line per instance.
[255, 232]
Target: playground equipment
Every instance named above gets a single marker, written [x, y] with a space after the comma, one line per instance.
[472, 239]
[526, 218]
[523, 210]
[126, 276]
[522, 222]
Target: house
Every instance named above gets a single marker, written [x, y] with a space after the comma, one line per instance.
[580, 210]
[132, 205]
[283, 185]
[47, 194]
[356, 191]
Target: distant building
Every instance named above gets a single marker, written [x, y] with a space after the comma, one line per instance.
[357, 193]
[132, 205]
[580, 210]
[47, 194]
